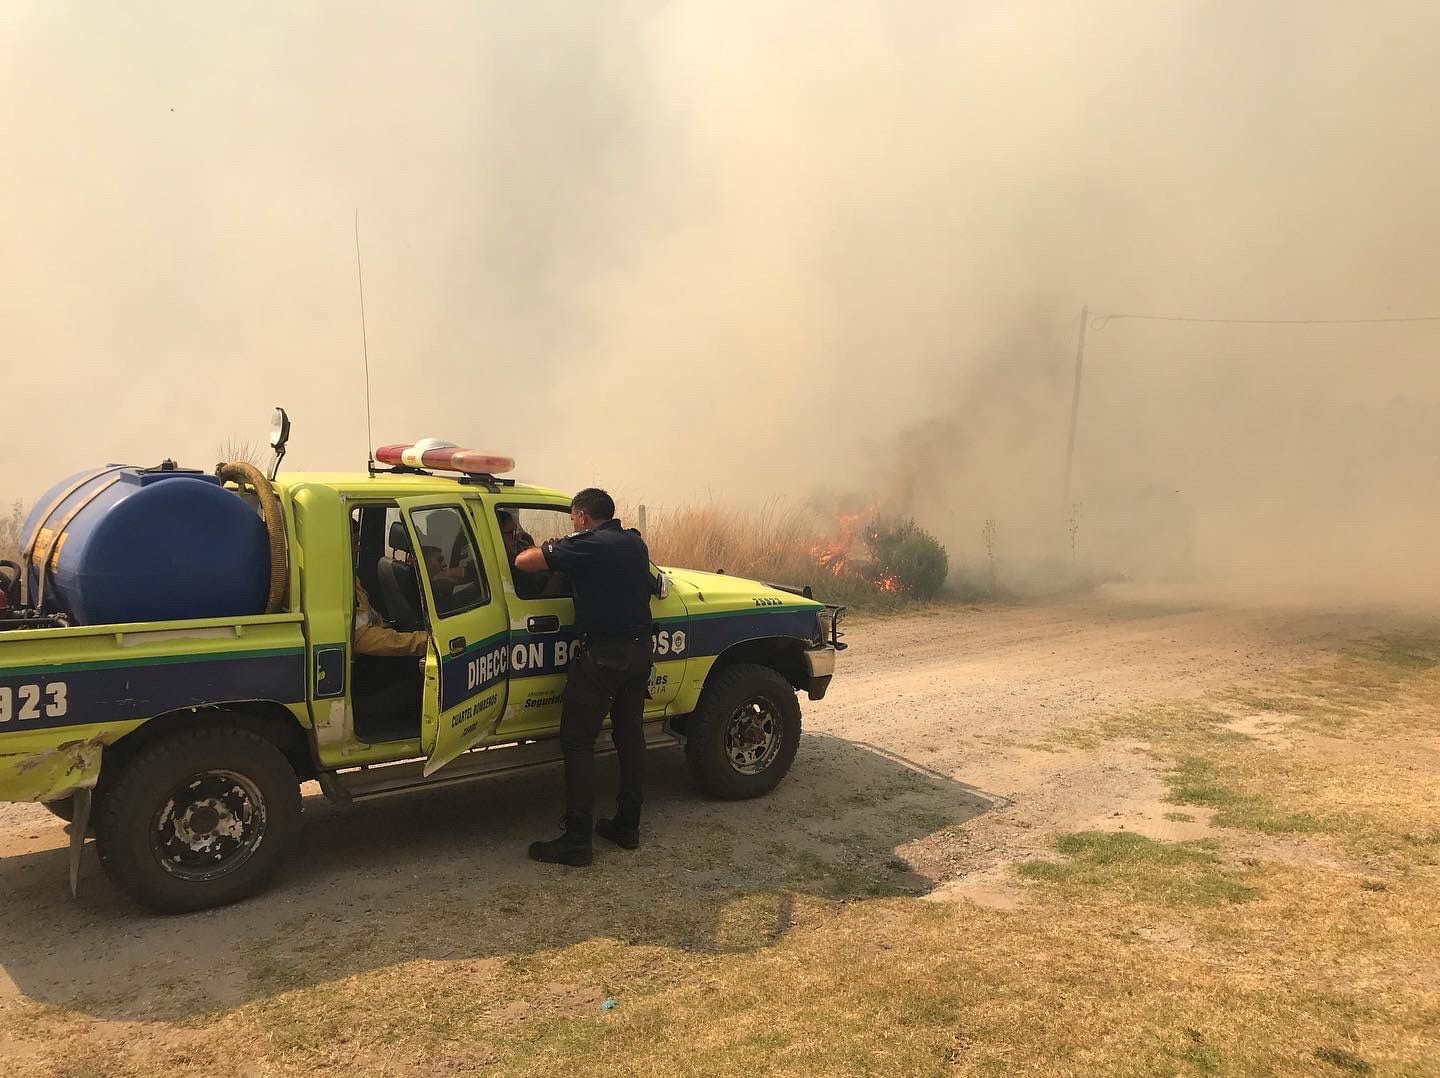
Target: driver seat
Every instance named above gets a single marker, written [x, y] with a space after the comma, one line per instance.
[398, 583]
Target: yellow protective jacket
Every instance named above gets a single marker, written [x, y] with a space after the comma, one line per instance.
[374, 637]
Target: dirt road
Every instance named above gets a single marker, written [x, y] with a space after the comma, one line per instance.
[933, 766]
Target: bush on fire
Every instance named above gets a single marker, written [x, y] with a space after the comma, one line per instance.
[902, 551]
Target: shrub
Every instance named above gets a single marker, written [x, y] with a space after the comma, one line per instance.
[902, 551]
[11, 526]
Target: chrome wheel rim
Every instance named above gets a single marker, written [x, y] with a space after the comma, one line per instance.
[209, 825]
[753, 736]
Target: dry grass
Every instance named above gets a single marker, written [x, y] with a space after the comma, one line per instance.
[1313, 967]
[772, 543]
[1132, 957]
[12, 525]
[1347, 755]
[243, 451]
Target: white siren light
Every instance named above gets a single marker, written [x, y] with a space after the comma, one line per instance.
[444, 456]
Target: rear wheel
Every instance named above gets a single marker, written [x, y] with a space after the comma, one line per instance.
[742, 738]
[202, 818]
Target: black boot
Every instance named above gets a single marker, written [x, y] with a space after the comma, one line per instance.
[572, 848]
[623, 828]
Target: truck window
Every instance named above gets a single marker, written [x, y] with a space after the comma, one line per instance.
[521, 527]
[447, 552]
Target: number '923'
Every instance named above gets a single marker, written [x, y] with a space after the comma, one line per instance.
[28, 702]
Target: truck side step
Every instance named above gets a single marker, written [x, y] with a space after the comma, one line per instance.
[378, 780]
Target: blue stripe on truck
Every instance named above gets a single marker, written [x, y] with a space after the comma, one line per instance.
[57, 696]
[549, 653]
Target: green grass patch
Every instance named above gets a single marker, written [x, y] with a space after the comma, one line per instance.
[1407, 651]
[1199, 780]
[1160, 726]
[1142, 869]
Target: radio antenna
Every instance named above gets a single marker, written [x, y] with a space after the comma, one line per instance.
[365, 347]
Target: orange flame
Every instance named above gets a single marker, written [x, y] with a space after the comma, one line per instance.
[834, 553]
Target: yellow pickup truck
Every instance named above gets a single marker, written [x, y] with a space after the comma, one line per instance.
[177, 655]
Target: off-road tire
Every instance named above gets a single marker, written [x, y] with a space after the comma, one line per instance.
[728, 692]
[138, 797]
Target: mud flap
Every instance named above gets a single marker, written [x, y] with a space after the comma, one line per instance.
[79, 824]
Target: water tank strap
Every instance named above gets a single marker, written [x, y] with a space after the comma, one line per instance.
[43, 569]
[42, 519]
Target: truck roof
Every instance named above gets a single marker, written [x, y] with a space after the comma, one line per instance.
[406, 484]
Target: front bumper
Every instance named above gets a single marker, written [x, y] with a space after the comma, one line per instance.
[819, 668]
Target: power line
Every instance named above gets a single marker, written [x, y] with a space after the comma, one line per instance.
[1100, 321]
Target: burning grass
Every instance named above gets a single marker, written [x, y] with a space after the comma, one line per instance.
[779, 543]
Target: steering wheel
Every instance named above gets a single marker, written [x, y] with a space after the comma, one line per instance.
[464, 593]
[10, 575]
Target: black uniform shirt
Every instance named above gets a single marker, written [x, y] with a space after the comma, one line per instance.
[610, 567]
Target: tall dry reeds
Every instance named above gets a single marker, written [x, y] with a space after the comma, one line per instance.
[11, 526]
[773, 543]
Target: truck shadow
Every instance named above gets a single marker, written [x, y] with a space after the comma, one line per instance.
[443, 876]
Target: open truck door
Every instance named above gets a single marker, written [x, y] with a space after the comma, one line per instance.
[467, 666]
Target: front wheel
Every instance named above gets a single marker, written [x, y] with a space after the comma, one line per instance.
[742, 738]
[202, 818]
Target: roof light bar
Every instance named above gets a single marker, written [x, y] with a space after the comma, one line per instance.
[443, 456]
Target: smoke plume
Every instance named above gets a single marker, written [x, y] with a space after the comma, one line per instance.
[693, 250]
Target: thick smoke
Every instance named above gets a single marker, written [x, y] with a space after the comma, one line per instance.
[695, 250]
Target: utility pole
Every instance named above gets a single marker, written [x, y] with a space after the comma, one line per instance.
[1075, 408]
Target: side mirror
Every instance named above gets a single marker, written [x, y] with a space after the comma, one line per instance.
[662, 586]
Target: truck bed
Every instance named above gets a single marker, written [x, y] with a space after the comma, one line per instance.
[98, 682]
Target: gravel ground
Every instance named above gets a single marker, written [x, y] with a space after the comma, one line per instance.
[939, 748]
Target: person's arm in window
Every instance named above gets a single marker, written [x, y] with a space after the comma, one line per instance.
[563, 555]
[532, 560]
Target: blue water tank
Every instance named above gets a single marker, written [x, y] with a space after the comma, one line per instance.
[137, 544]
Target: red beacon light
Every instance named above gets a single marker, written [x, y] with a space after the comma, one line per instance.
[443, 456]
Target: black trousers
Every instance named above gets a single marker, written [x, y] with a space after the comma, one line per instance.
[606, 678]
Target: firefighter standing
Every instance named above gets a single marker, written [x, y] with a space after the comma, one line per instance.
[609, 670]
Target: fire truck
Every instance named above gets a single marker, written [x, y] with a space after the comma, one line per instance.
[178, 655]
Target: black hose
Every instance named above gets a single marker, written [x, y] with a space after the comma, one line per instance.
[248, 474]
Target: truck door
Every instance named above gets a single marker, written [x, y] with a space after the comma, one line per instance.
[467, 666]
[542, 627]
[542, 619]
